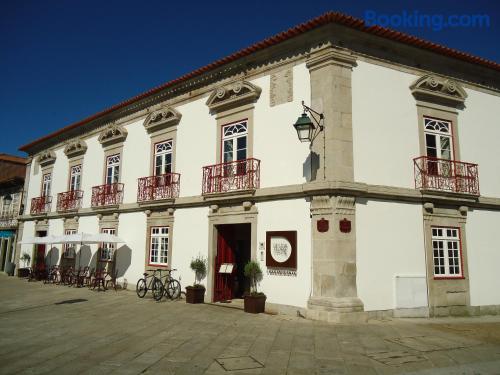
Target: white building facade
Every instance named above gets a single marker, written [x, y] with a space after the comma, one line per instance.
[392, 208]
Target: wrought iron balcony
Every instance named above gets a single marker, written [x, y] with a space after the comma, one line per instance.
[165, 186]
[69, 200]
[8, 220]
[238, 175]
[40, 205]
[107, 195]
[446, 175]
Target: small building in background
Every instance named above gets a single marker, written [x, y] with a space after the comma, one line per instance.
[12, 173]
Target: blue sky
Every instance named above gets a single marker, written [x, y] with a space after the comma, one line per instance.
[61, 61]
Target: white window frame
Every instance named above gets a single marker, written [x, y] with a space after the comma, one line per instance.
[446, 252]
[108, 248]
[69, 251]
[46, 184]
[113, 169]
[438, 129]
[75, 177]
[163, 150]
[159, 245]
[230, 135]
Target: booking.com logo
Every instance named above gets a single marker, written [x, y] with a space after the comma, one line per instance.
[435, 22]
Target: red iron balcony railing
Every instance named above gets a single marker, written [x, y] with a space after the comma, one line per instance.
[40, 205]
[446, 175]
[107, 195]
[69, 200]
[165, 186]
[231, 176]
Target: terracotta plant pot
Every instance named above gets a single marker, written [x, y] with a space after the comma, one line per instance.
[195, 294]
[255, 304]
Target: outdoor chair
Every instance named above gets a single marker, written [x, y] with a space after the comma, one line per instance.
[99, 279]
[111, 278]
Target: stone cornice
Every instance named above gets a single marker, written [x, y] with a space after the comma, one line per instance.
[327, 54]
[439, 90]
[75, 147]
[46, 158]
[347, 190]
[162, 119]
[112, 134]
[234, 95]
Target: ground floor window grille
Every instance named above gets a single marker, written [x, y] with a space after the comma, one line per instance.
[446, 252]
[69, 248]
[158, 252]
[108, 249]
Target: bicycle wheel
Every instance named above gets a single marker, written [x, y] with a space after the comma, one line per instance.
[157, 289]
[141, 288]
[173, 289]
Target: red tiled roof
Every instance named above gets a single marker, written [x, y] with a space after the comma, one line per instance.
[329, 17]
[13, 158]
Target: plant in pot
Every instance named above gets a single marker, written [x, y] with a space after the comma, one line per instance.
[196, 293]
[254, 302]
[24, 272]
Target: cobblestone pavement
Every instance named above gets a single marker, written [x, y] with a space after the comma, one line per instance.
[117, 333]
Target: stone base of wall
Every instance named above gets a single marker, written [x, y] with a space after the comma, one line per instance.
[365, 316]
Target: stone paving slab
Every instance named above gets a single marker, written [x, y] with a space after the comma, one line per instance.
[117, 333]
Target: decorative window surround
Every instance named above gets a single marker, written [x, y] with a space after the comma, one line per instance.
[46, 158]
[439, 90]
[447, 252]
[162, 119]
[445, 290]
[159, 219]
[235, 95]
[75, 148]
[112, 134]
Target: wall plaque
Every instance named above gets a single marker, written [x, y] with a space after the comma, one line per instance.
[281, 249]
[345, 225]
[322, 225]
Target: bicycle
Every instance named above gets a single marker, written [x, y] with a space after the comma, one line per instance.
[155, 285]
[171, 286]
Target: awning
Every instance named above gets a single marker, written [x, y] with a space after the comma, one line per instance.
[6, 233]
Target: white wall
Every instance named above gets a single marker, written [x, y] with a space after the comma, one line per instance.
[479, 132]
[28, 231]
[385, 126]
[483, 255]
[93, 168]
[281, 216]
[130, 256]
[196, 145]
[389, 242]
[135, 159]
[275, 140]
[190, 238]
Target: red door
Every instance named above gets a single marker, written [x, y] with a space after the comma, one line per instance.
[40, 258]
[223, 290]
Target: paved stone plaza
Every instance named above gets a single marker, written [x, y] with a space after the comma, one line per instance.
[117, 333]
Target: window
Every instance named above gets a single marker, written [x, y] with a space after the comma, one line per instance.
[163, 158]
[446, 252]
[234, 141]
[108, 249]
[158, 249]
[75, 177]
[438, 145]
[46, 184]
[69, 248]
[112, 169]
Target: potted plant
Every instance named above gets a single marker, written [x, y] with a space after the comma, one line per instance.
[196, 293]
[24, 272]
[254, 302]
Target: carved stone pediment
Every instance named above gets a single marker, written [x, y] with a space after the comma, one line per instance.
[234, 95]
[112, 133]
[47, 157]
[75, 148]
[438, 90]
[161, 119]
